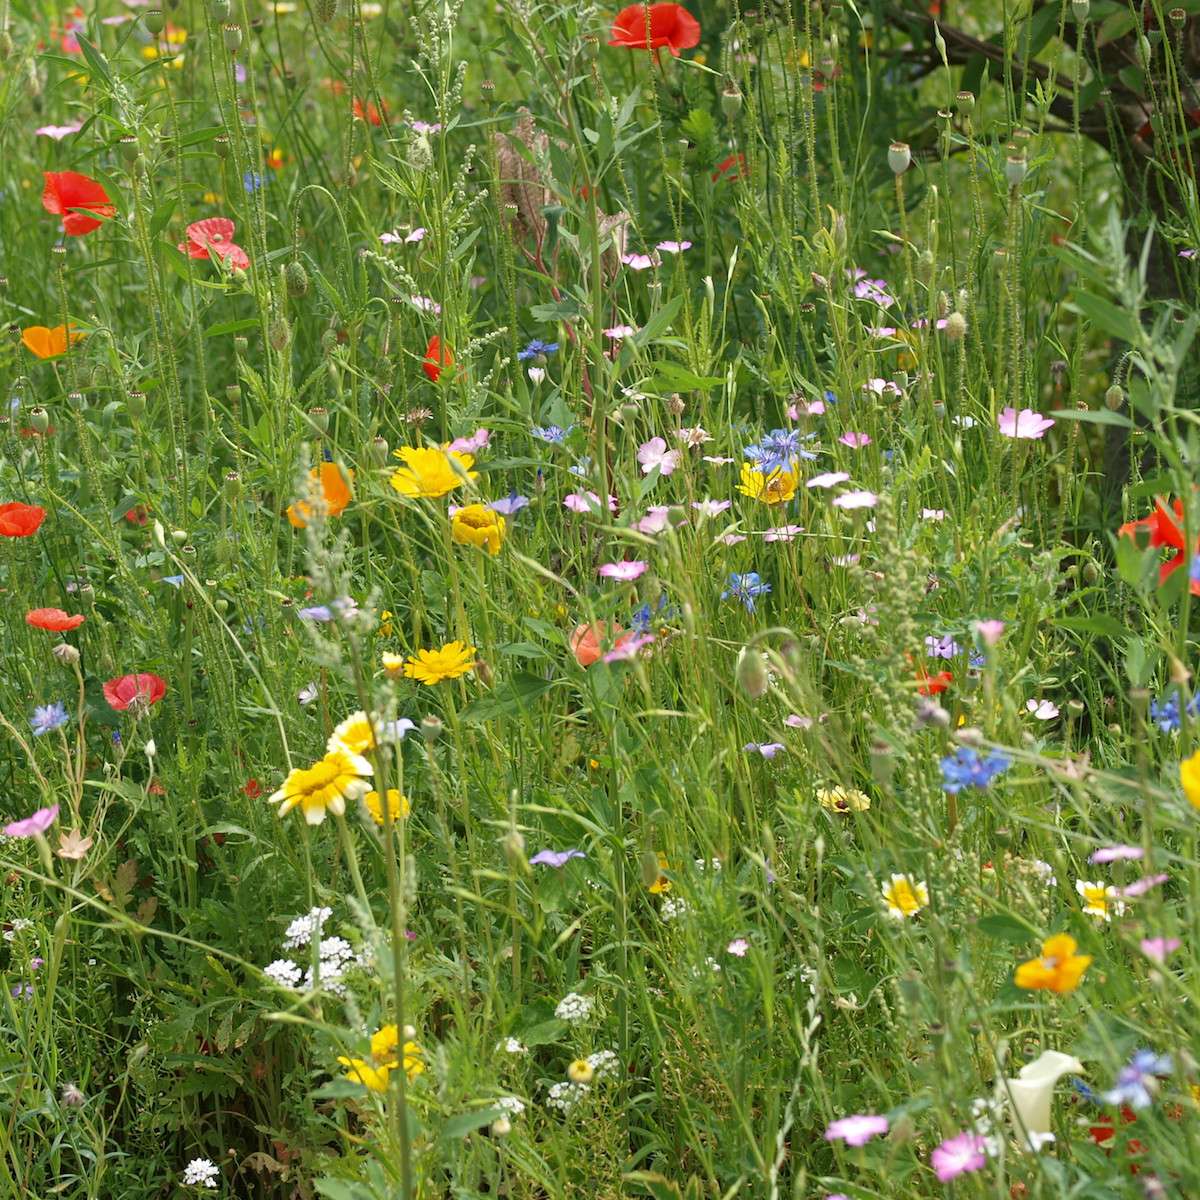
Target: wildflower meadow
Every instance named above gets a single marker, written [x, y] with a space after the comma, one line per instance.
[597, 601]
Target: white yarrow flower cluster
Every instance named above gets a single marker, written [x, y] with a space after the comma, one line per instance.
[574, 1007]
[201, 1172]
[566, 1095]
[672, 909]
[335, 956]
[303, 929]
[604, 1063]
[283, 972]
[512, 1105]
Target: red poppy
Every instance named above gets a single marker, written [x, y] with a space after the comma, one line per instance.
[53, 619]
[138, 515]
[933, 685]
[129, 689]
[587, 641]
[20, 520]
[214, 235]
[731, 168]
[369, 112]
[670, 25]
[81, 201]
[1165, 527]
[436, 357]
[252, 788]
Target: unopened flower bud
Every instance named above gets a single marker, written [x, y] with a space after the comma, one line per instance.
[501, 1127]
[431, 728]
[66, 654]
[513, 845]
[956, 326]
[72, 1097]
[751, 673]
[378, 450]
[1114, 398]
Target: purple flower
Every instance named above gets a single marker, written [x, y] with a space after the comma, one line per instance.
[510, 505]
[624, 572]
[1159, 949]
[957, 1155]
[766, 749]
[943, 647]
[555, 858]
[1107, 854]
[1140, 887]
[316, 612]
[33, 826]
[1023, 424]
[857, 1130]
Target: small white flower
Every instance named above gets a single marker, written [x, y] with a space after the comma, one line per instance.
[566, 1095]
[201, 1172]
[283, 972]
[513, 1046]
[672, 909]
[604, 1062]
[1043, 710]
[574, 1007]
[536, 374]
[307, 694]
[511, 1104]
[300, 932]
[738, 947]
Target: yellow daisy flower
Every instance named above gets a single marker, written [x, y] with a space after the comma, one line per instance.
[398, 805]
[904, 897]
[325, 786]
[775, 487]
[432, 666]
[477, 525]
[431, 472]
[375, 1078]
[843, 800]
[357, 734]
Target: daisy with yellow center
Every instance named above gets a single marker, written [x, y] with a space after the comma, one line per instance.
[843, 800]
[433, 666]
[775, 487]
[904, 897]
[1100, 900]
[477, 525]
[398, 805]
[357, 734]
[325, 786]
[1058, 970]
[430, 472]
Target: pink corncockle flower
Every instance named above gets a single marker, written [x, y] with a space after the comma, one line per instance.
[717, 460]
[957, 1155]
[470, 445]
[766, 749]
[881, 387]
[587, 502]
[1159, 949]
[391, 238]
[1121, 853]
[1043, 710]
[628, 648]
[1139, 887]
[33, 826]
[933, 514]
[796, 721]
[640, 262]
[738, 947]
[625, 571]
[810, 408]
[426, 127]
[58, 132]
[425, 304]
[1023, 424]
[990, 631]
[856, 500]
[417, 235]
[856, 1130]
[696, 436]
[783, 533]
[654, 453]
[729, 539]
[856, 441]
[619, 333]
[657, 519]
[673, 247]
[828, 480]
[711, 508]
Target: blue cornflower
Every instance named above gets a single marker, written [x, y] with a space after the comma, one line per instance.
[582, 467]
[554, 434]
[778, 450]
[745, 588]
[1166, 713]
[317, 612]
[536, 347]
[174, 580]
[1137, 1082]
[47, 717]
[643, 617]
[1084, 1091]
[968, 768]
[943, 647]
[510, 505]
[252, 181]
[1194, 569]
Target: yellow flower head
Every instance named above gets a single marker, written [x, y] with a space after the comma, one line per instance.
[331, 484]
[432, 666]
[1058, 970]
[840, 799]
[375, 1078]
[431, 472]
[398, 805]
[661, 883]
[326, 785]
[1100, 900]
[393, 664]
[477, 525]
[357, 734]
[775, 487]
[385, 623]
[385, 1049]
[1189, 777]
[48, 343]
[904, 897]
[581, 1071]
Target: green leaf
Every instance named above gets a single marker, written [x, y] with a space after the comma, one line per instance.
[509, 697]
[1099, 416]
[468, 1122]
[1106, 316]
[1101, 624]
[1006, 928]
[670, 377]
[544, 1034]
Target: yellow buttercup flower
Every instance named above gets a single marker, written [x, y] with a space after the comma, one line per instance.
[356, 735]
[477, 525]
[840, 799]
[385, 623]
[375, 1078]
[904, 897]
[398, 805]
[385, 1049]
[774, 487]
[432, 666]
[1189, 777]
[1058, 970]
[325, 786]
[662, 883]
[431, 472]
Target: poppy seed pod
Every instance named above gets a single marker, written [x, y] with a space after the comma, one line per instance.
[431, 729]
[731, 100]
[77, 400]
[965, 103]
[231, 34]
[1178, 18]
[318, 418]
[1015, 168]
[219, 10]
[899, 157]
[129, 148]
[1080, 9]
[379, 451]
[154, 20]
[39, 419]
[326, 10]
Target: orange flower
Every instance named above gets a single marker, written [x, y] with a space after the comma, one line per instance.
[1165, 527]
[369, 112]
[652, 26]
[437, 356]
[586, 641]
[80, 200]
[1059, 969]
[48, 343]
[20, 520]
[53, 619]
[335, 490]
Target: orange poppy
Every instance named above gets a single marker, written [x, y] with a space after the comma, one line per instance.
[53, 619]
[1165, 527]
[48, 343]
[436, 357]
[587, 641]
[81, 201]
[335, 490]
[652, 26]
[20, 520]
[369, 112]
